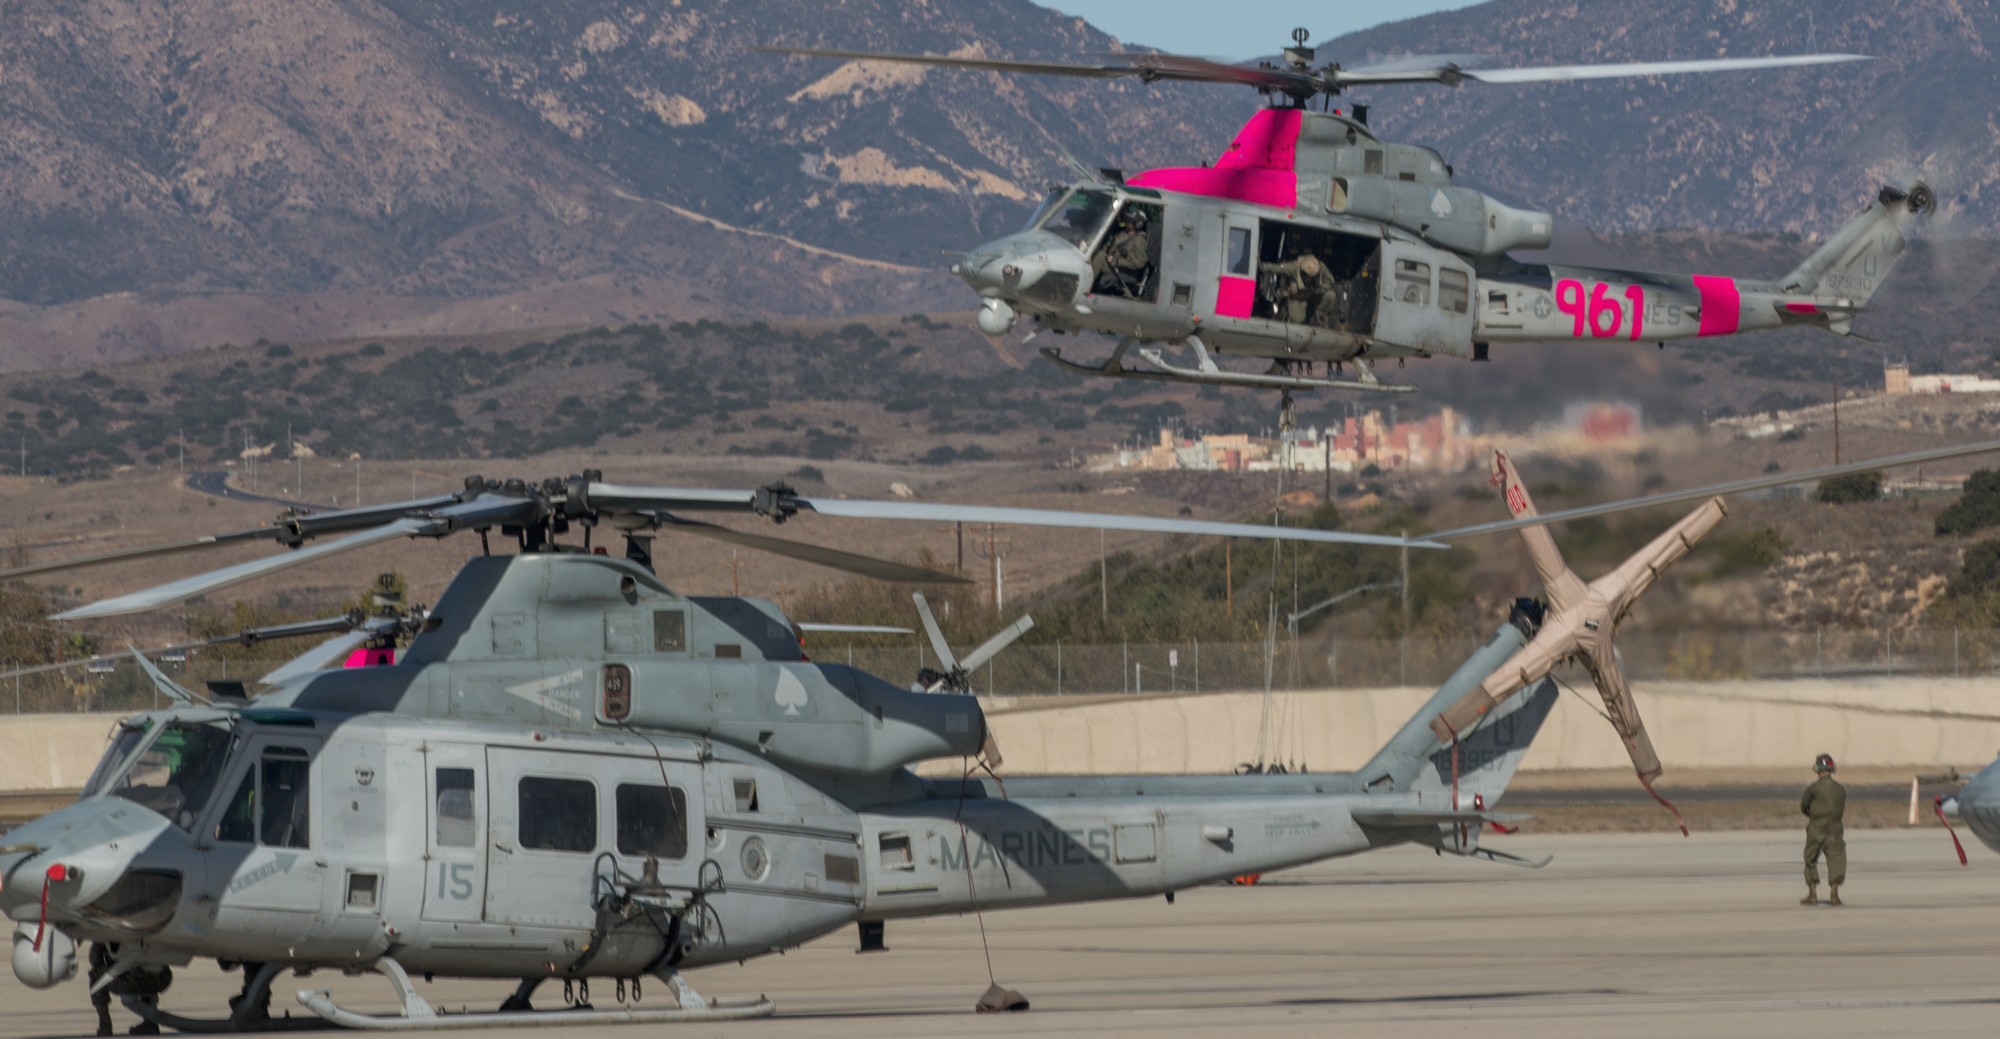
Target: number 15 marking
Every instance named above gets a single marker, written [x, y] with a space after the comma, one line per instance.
[1603, 316]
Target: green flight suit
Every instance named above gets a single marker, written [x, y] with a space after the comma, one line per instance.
[1823, 805]
[1121, 265]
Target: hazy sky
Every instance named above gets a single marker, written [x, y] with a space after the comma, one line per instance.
[1244, 29]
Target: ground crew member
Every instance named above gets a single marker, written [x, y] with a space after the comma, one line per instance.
[1121, 264]
[1823, 805]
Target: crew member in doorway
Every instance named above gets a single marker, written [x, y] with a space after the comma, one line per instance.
[1305, 291]
[1121, 265]
[1823, 805]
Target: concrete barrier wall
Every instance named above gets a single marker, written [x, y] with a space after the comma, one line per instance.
[1886, 722]
[1919, 722]
[41, 752]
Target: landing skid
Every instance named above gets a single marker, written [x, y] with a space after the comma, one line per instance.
[1209, 373]
[250, 1014]
[419, 1015]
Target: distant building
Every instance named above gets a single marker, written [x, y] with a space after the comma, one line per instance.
[1897, 381]
[1438, 442]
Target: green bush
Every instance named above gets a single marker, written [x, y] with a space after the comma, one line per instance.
[1845, 490]
[1977, 507]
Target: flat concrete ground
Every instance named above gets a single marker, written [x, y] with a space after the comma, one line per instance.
[1625, 935]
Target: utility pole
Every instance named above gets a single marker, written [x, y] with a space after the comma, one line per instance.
[1836, 423]
[1229, 576]
[960, 528]
[735, 575]
[183, 463]
[1103, 581]
[992, 545]
[1326, 444]
[357, 481]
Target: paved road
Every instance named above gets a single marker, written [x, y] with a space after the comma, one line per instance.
[1622, 935]
[215, 484]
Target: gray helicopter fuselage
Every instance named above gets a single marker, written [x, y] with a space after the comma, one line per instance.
[574, 772]
[1423, 265]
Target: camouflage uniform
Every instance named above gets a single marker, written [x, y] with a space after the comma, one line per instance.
[1306, 291]
[1823, 804]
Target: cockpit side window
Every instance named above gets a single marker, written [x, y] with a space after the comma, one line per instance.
[1079, 219]
[176, 774]
[285, 815]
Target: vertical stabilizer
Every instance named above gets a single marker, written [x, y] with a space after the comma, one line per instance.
[1401, 761]
[1852, 264]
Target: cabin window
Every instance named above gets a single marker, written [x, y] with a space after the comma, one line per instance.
[1454, 291]
[558, 814]
[456, 827]
[1371, 161]
[895, 851]
[285, 801]
[1237, 260]
[669, 631]
[1336, 197]
[652, 820]
[617, 692]
[1413, 282]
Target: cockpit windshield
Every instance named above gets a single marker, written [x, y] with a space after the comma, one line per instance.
[1079, 217]
[127, 739]
[176, 773]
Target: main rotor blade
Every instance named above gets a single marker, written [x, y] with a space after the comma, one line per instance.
[848, 629]
[320, 657]
[865, 566]
[79, 562]
[201, 584]
[285, 528]
[943, 648]
[1038, 68]
[991, 647]
[1755, 483]
[1148, 67]
[946, 513]
[1556, 73]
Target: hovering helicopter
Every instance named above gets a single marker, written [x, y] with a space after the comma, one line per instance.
[1311, 241]
[574, 773]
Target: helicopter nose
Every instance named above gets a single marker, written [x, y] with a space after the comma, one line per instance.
[1004, 268]
[1979, 806]
[78, 852]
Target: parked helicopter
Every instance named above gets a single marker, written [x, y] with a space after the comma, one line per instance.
[599, 778]
[1309, 240]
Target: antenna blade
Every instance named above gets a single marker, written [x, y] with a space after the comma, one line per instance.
[940, 512]
[318, 658]
[945, 657]
[865, 566]
[1758, 483]
[1558, 73]
[991, 647]
[201, 584]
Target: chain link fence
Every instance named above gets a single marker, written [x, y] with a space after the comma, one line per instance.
[1194, 667]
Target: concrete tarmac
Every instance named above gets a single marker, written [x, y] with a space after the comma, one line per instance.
[1629, 935]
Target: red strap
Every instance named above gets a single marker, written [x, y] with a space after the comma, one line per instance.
[43, 925]
[1937, 805]
[1678, 821]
